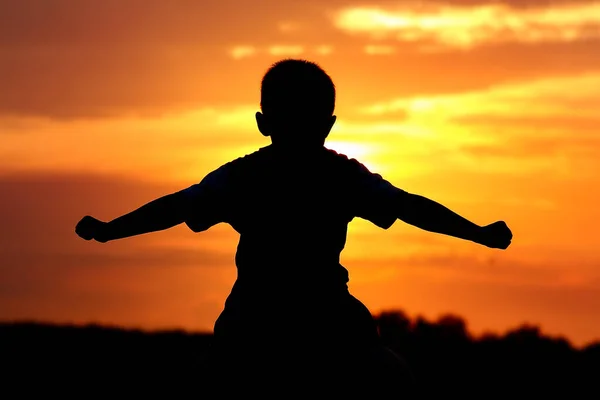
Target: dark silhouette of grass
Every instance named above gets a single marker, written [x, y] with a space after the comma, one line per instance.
[445, 358]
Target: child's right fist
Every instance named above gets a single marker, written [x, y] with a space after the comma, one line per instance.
[89, 228]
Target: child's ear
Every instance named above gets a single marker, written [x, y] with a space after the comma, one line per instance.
[263, 126]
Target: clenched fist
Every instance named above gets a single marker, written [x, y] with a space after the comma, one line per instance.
[495, 236]
[90, 228]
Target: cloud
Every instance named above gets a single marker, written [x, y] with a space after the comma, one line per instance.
[523, 128]
[286, 50]
[465, 27]
[83, 58]
[379, 50]
[516, 4]
[324, 49]
[540, 98]
[179, 146]
[239, 52]
[72, 59]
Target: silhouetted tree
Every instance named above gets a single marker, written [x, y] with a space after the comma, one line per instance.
[444, 357]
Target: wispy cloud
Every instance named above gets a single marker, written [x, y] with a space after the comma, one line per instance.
[466, 27]
[165, 147]
[572, 96]
[324, 49]
[541, 126]
[286, 50]
[242, 51]
[239, 52]
[379, 50]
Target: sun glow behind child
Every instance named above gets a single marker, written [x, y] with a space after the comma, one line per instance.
[364, 153]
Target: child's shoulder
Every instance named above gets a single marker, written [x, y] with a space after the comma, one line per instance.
[242, 165]
[344, 162]
[268, 157]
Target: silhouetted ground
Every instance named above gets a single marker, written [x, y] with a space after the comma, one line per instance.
[445, 358]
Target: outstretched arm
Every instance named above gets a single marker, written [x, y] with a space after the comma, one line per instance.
[431, 216]
[200, 206]
[382, 203]
[160, 214]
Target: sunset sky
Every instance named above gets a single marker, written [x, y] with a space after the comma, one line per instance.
[490, 108]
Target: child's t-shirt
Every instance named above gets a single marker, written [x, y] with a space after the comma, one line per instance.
[292, 213]
[290, 208]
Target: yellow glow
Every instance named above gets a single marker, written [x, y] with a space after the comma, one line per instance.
[362, 152]
[537, 98]
[465, 27]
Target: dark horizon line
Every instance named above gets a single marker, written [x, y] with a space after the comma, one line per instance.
[413, 321]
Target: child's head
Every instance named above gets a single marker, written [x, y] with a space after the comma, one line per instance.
[297, 102]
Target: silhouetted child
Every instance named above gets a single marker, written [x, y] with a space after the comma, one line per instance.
[290, 313]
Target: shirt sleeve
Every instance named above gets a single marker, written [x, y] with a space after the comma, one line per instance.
[208, 201]
[375, 199]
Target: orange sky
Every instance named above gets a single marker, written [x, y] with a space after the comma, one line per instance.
[487, 107]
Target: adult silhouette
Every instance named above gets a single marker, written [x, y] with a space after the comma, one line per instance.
[290, 319]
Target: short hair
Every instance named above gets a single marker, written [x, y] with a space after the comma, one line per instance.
[293, 86]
